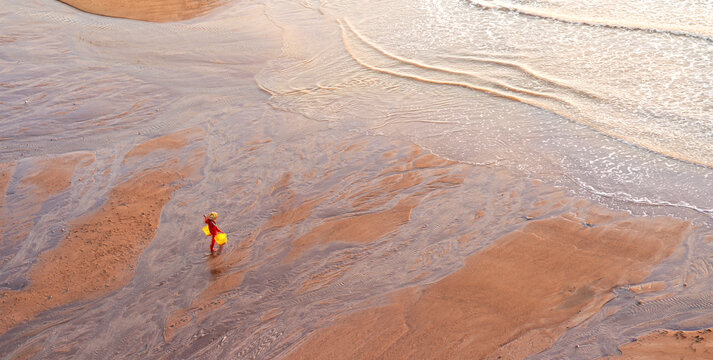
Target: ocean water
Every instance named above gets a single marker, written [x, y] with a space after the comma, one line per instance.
[616, 96]
[606, 100]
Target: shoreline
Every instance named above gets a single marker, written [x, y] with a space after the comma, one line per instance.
[340, 242]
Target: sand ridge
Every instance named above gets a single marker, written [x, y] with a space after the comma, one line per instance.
[669, 344]
[357, 229]
[172, 141]
[147, 10]
[6, 170]
[101, 248]
[510, 300]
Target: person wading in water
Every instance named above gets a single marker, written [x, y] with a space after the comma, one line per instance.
[214, 230]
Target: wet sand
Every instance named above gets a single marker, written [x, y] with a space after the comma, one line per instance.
[5, 174]
[341, 243]
[365, 228]
[6, 170]
[48, 178]
[99, 253]
[669, 344]
[510, 300]
[148, 10]
[54, 175]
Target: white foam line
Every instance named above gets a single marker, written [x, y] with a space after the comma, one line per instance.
[622, 196]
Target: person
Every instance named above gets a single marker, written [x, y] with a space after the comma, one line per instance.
[213, 228]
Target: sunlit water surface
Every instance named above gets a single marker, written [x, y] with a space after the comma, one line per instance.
[610, 100]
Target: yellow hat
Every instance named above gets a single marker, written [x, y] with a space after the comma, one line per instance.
[213, 215]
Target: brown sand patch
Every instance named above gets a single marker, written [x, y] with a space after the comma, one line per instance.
[54, 175]
[356, 229]
[353, 147]
[385, 190]
[430, 160]
[648, 287]
[449, 180]
[171, 141]
[416, 160]
[147, 10]
[595, 215]
[292, 215]
[512, 299]
[668, 344]
[366, 334]
[6, 170]
[271, 314]
[99, 253]
[282, 184]
[389, 154]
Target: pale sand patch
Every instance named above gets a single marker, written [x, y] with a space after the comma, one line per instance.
[512, 299]
[292, 215]
[147, 10]
[50, 176]
[171, 141]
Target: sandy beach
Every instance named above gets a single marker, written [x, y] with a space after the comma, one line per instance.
[152, 10]
[362, 222]
[510, 300]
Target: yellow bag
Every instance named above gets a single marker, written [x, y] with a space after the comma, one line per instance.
[206, 231]
[221, 238]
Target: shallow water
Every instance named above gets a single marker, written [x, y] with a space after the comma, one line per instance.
[469, 71]
[604, 101]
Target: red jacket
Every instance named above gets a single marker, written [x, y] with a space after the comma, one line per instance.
[212, 227]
